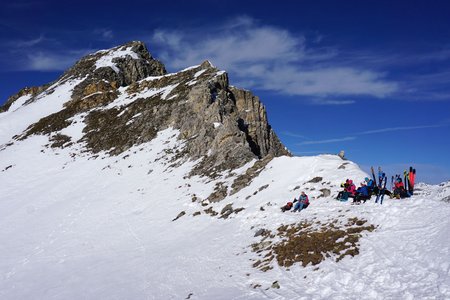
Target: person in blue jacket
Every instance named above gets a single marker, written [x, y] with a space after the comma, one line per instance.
[362, 193]
[370, 185]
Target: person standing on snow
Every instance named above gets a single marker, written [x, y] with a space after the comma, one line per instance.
[302, 202]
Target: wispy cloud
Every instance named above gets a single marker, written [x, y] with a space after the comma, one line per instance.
[52, 61]
[401, 128]
[104, 34]
[367, 132]
[327, 141]
[320, 101]
[39, 54]
[271, 58]
[420, 75]
[27, 43]
[295, 135]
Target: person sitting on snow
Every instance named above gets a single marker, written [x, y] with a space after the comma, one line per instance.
[302, 203]
[362, 193]
[399, 189]
[370, 185]
[349, 190]
[341, 195]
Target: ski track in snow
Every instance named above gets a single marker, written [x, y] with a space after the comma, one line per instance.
[101, 228]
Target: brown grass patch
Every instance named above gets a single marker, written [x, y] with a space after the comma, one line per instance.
[311, 243]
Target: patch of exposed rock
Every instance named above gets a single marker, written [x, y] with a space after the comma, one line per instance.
[245, 179]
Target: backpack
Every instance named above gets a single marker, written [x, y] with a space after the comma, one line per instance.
[288, 206]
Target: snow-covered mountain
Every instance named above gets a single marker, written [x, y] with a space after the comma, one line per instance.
[120, 181]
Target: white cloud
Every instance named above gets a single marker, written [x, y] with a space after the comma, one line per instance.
[320, 101]
[270, 58]
[358, 134]
[107, 34]
[328, 141]
[400, 129]
[51, 61]
[27, 43]
[291, 134]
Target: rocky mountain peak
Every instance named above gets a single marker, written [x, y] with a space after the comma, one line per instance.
[123, 64]
[124, 97]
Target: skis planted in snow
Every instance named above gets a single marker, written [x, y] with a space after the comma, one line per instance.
[381, 175]
[374, 178]
[381, 192]
[412, 179]
[406, 183]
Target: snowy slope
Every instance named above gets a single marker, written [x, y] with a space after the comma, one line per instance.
[20, 115]
[101, 228]
[75, 224]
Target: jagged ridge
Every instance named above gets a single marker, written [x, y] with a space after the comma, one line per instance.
[126, 97]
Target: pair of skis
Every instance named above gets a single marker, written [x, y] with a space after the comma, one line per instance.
[410, 178]
[382, 187]
[381, 175]
[373, 176]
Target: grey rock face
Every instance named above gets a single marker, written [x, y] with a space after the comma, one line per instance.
[130, 69]
[223, 127]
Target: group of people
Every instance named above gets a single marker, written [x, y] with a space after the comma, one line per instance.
[399, 189]
[363, 193]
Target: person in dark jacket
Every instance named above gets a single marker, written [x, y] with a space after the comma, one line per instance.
[362, 193]
[399, 189]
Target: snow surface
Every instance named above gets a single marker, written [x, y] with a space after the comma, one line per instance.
[198, 73]
[15, 121]
[84, 227]
[75, 129]
[107, 59]
[124, 98]
[19, 102]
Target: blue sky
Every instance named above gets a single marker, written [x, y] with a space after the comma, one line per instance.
[368, 77]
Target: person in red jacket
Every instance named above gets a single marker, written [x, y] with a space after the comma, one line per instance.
[399, 189]
[351, 189]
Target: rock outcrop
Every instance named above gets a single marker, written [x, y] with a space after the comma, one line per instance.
[125, 97]
[32, 91]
